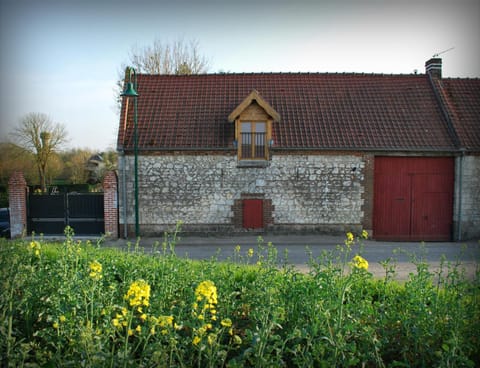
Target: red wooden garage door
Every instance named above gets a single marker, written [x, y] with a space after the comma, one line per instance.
[253, 213]
[413, 198]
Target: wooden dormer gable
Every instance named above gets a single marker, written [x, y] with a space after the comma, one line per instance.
[252, 106]
[253, 119]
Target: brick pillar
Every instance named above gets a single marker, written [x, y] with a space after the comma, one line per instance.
[110, 204]
[17, 196]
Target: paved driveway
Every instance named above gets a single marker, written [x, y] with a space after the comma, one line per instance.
[300, 247]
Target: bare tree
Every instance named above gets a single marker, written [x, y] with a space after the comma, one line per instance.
[178, 57]
[39, 135]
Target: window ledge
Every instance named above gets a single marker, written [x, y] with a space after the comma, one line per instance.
[252, 163]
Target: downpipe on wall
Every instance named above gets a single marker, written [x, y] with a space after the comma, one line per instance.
[460, 185]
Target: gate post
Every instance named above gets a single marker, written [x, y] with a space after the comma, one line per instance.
[17, 196]
[110, 204]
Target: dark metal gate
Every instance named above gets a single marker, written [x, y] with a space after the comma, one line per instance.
[50, 214]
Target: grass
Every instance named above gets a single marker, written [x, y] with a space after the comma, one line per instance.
[79, 304]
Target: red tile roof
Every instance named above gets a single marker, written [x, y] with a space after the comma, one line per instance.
[318, 111]
[461, 97]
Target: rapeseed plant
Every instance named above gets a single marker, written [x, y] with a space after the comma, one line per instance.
[71, 304]
[359, 262]
[95, 270]
[138, 294]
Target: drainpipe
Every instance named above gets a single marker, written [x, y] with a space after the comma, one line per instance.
[122, 168]
[460, 185]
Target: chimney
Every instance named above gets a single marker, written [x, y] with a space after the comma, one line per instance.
[433, 67]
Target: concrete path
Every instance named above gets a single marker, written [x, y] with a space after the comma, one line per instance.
[300, 248]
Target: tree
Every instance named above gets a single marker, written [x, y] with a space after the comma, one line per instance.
[12, 158]
[39, 135]
[179, 57]
[75, 165]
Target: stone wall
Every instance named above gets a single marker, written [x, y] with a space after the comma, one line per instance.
[467, 199]
[313, 192]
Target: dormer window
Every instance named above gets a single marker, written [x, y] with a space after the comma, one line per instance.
[253, 128]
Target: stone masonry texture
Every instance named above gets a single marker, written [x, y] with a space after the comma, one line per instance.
[470, 198]
[314, 192]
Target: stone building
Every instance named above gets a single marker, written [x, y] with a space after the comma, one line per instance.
[398, 155]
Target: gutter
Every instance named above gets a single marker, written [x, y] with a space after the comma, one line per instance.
[440, 151]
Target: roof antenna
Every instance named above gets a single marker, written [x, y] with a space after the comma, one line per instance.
[442, 52]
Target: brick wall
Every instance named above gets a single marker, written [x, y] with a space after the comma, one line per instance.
[110, 204]
[17, 195]
[237, 210]
[367, 196]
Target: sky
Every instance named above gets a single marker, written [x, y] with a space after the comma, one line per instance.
[63, 57]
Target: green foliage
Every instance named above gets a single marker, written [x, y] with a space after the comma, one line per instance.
[80, 304]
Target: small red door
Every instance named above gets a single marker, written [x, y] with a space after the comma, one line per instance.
[252, 213]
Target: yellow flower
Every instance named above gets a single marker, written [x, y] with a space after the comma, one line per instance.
[360, 262]
[35, 247]
[211, 339]
[196, 340]
[143, 317]
[364, 234]
[139, 329]
[350, 237]
[138, 294]
[250, 252]
[116, 322]
[55, 325]
[237, 249]
[207, 291]
[165, 321]
[227, 322]
[95, 270]
[237, 340]
[152, 331]
[62, 318]
[130, 332]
